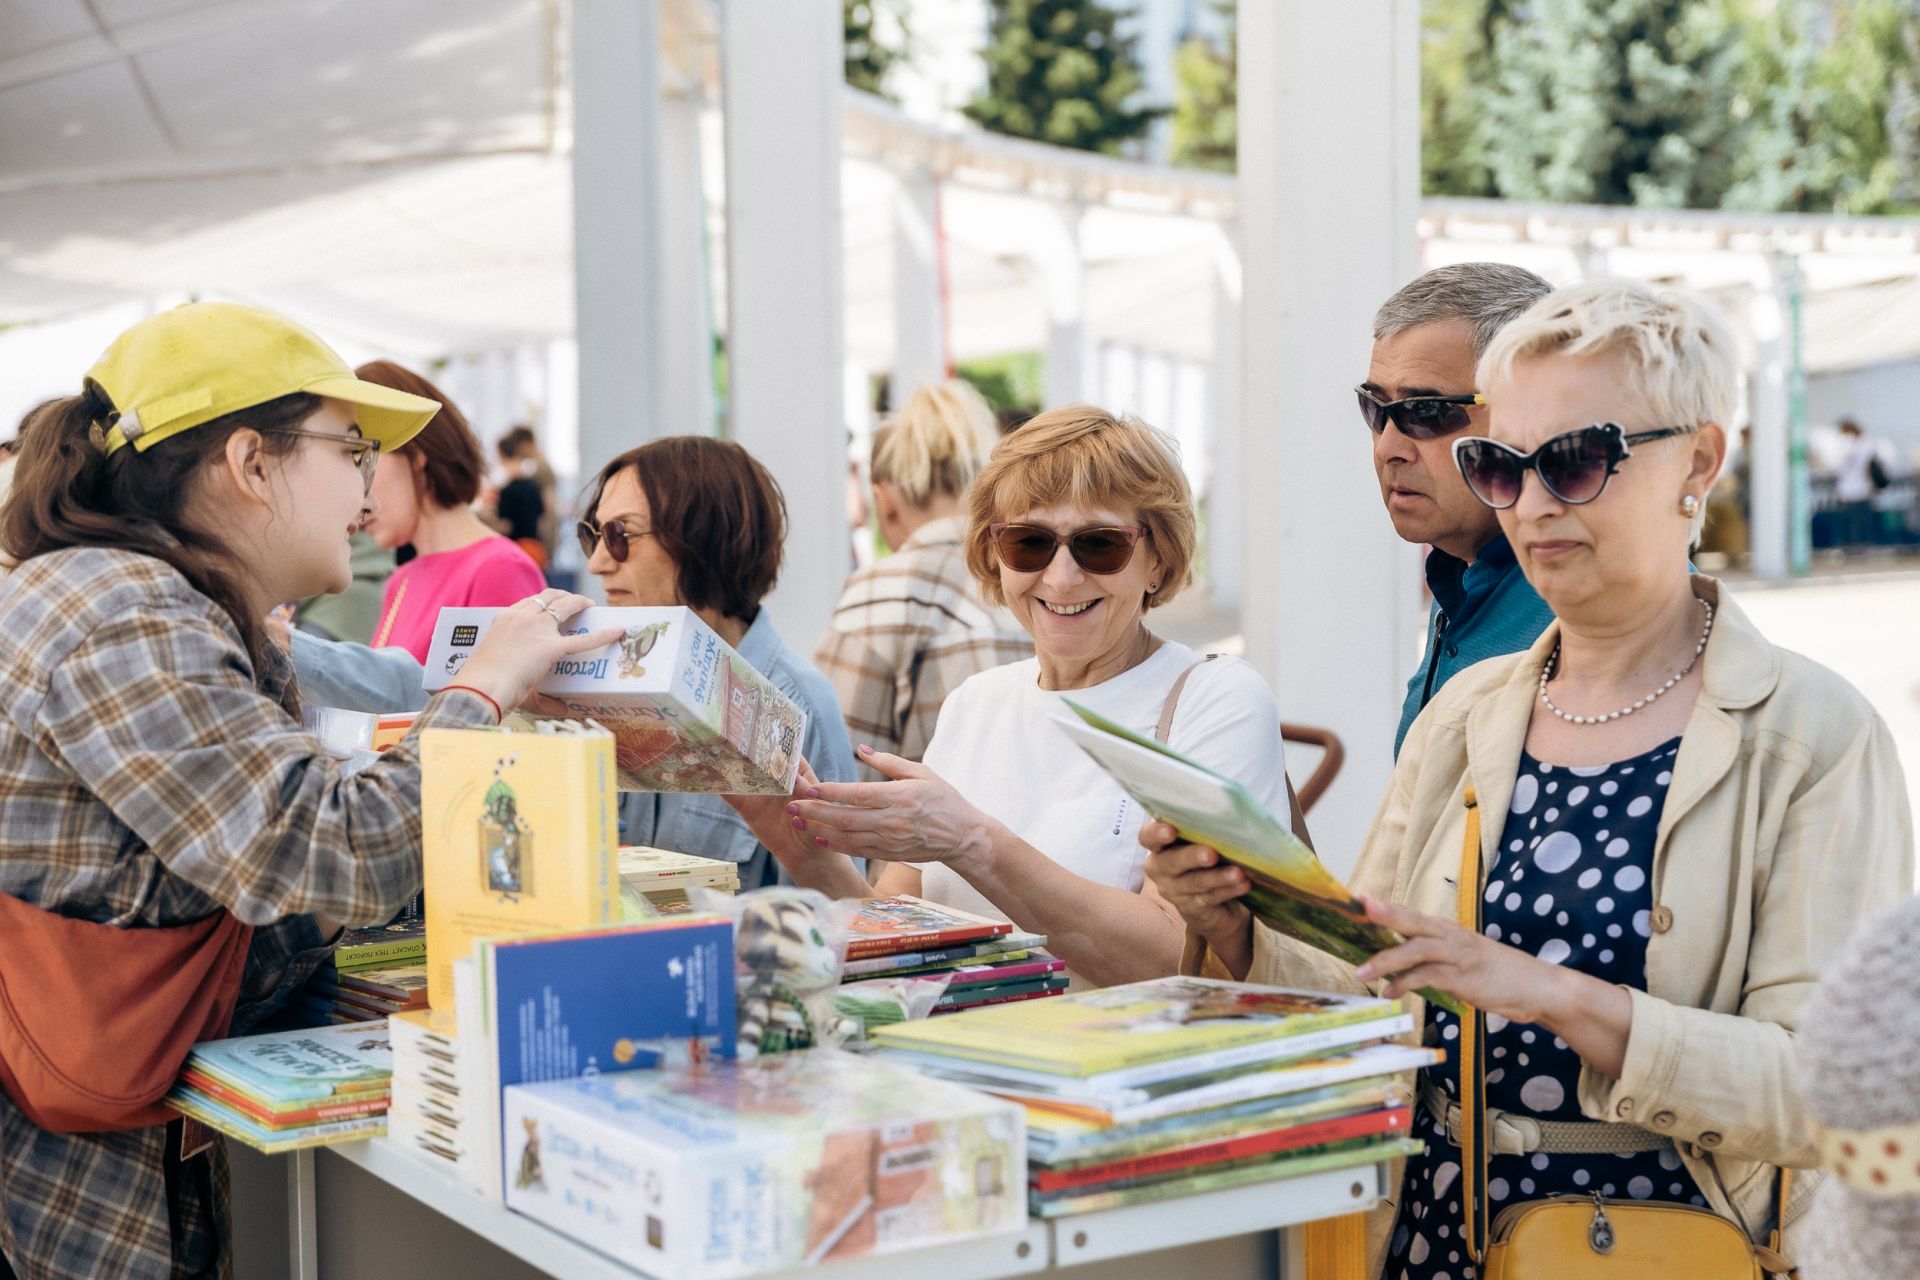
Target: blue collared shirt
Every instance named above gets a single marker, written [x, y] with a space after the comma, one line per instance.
[1480, 610]
[707, 825]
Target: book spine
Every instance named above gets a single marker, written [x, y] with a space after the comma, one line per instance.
[918, 959]
[866, 948]
[1393, 1120]
[252, 1109]
[1270, 1050]
[985, 975]
[993, 1000]
[369, 955]
[1293, 1167]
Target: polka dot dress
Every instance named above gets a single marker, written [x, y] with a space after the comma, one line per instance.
[1570, 885]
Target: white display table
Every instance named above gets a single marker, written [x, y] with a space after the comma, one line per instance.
[370, 1209]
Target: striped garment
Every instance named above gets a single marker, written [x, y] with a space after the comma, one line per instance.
[907, 631]
[147, 779]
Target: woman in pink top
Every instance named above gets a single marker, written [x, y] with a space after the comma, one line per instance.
[425, 491]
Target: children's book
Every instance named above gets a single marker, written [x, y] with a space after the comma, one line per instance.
[688, 713]
[381, 945]
[1292, 891]
[290, 1066]
[783, 1163]
[251, 1132]
[519, 833]
[1087, 1033]
[1289, 1165]
[886, 926]
[1056, 1140]
[1011, 946]
[982, 975]
[1253, 1144]
[286, 1115]
[558, 1006]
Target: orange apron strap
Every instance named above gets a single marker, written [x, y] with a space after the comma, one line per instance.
[1472, 1048]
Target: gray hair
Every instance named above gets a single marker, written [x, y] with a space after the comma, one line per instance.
[1484, 294]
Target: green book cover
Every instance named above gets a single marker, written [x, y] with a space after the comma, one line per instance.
[1292, 1165]
[1292, 891]
[1086, 1033]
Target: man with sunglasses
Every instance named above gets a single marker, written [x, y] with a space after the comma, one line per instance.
[1417, 400]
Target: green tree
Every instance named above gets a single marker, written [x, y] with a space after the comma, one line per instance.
[1456, 58]
[1060, 71]
[1206, 104]
[1612, 102]
[1902, 116]
[1820, 80]
[869, 57]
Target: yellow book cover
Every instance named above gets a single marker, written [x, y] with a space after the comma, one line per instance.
[520, 837]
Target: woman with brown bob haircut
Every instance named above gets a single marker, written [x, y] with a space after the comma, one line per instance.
[1080, 523]
[698, 522]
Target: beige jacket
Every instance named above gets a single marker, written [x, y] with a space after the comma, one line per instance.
[1786, 824]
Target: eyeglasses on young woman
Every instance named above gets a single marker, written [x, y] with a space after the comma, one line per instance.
[365, 453]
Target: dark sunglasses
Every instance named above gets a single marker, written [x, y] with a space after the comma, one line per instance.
[618, 537]
[1030, 548]
[365, 453]
[1417, 417]
[1574, 467]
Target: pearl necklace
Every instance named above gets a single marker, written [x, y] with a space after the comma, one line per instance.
[1553, 662]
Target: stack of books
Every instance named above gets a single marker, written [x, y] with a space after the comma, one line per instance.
[1181, 1085]
[658, 882]
[985, 961]
[290, 1089]
[364, 995]
[426, 1116]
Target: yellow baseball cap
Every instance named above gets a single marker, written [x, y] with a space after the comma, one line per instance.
[184, 367]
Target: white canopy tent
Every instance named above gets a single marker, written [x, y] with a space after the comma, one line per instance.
[401, 177]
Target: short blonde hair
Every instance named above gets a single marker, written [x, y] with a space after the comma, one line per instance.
[1685, 367]
[1080, 456]
[936, 443]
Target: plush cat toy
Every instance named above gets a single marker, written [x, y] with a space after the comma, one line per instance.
[788, 971]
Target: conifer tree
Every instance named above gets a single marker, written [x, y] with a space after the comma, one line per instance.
[1612, 102]
[1060, 71]
[1206, 105]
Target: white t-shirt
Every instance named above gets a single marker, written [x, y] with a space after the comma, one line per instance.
[1852, 481]
[996, 742]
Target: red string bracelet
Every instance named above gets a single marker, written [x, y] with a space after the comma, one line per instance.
[499, 716]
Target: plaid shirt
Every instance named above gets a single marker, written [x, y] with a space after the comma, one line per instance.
[147, 779]
[907, 631]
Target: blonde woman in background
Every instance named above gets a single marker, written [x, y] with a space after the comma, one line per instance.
[911, 627]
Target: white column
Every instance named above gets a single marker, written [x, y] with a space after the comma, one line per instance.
[1073, 371]
[1326, 90]
[781, 67]
[1226, 550]
[616, 224]
[687, 338]
[919, 320]
[1769, 504]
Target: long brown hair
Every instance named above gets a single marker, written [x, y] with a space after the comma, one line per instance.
[68, 493]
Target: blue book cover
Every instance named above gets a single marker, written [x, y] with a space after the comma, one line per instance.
[292, 1066]
[612, 999]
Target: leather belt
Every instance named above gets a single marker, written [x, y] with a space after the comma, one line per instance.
[1514, 1135]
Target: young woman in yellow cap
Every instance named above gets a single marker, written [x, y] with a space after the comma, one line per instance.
[176, 854]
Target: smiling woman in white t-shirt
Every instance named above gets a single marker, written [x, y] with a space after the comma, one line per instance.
[1080, 523]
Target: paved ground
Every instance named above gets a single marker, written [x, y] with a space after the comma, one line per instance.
[1866, 627]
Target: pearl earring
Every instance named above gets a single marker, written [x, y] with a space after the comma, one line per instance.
[1689, 506]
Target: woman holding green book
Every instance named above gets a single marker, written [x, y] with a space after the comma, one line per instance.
[1677, 820]
[175, 850]
[1081, 523]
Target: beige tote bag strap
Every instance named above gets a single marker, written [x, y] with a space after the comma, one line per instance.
[1172, 704]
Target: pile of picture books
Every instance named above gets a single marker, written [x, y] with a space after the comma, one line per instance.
[1181, 1085]
[659, 882]
[290, 1089]
[364, 995]
[788, 1161]
[426, 1115]
[984, 961]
